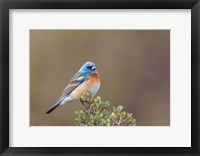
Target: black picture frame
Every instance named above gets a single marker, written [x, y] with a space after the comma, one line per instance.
[5, 5]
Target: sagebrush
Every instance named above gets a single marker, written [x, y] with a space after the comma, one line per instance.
[97, 113]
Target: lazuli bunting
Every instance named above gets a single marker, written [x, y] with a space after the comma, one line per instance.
[85, 80]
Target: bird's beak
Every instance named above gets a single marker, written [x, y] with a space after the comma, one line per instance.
[93, 67]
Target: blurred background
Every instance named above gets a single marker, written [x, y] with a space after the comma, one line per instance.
[134, 66]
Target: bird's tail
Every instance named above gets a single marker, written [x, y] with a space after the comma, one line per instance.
[54, 107]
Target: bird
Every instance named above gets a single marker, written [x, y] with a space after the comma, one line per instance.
[86, 80]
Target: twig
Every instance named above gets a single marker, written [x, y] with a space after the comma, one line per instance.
[119, 122]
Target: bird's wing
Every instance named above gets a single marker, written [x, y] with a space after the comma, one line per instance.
[75, 81]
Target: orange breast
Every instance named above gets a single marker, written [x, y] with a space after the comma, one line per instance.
[94, 77]
[85, 86]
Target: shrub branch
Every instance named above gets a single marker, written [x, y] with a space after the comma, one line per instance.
[97, 113]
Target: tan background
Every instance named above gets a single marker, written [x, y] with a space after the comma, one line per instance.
[134, 66]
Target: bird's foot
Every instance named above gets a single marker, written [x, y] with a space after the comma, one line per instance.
[82, 101]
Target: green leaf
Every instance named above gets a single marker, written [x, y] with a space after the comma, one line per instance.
[119, 108]
[96, 112]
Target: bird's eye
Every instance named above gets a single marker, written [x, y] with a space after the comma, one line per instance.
[89, 67]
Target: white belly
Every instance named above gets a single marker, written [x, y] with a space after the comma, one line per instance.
[66, 100]
[94, 89]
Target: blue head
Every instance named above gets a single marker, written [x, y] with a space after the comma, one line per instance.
[89, 68]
